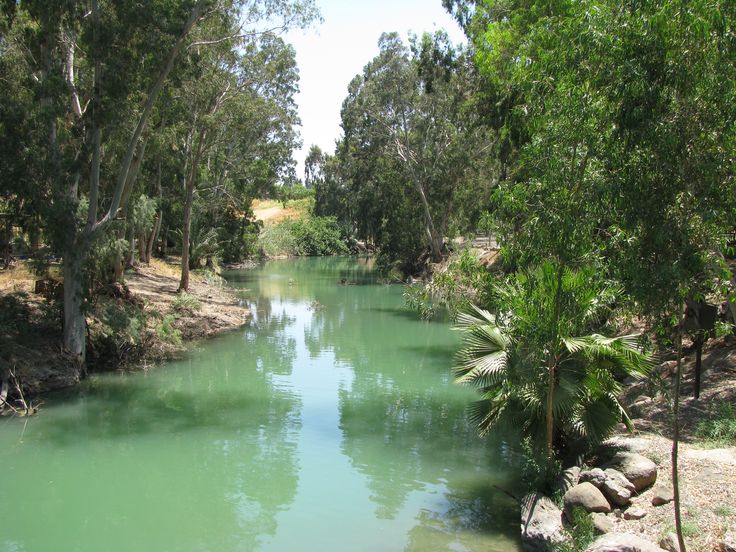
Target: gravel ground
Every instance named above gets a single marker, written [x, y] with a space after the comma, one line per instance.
[707, 475]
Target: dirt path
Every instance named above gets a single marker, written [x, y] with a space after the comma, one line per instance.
[157, 285]
[707, 475]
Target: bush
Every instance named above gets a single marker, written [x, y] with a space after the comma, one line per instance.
[167, 332]
[186, 302]
[719, 428]
[582, 533]
[237, 236]
[312, 237]
[277, 239]
[318, 236]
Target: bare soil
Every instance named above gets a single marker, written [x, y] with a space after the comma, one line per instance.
[30, 323]
[707, 475]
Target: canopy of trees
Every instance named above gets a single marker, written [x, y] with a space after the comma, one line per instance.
[131, 123]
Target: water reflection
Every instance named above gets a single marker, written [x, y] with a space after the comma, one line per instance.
[329, 423]
[403, 424]
[201, 456]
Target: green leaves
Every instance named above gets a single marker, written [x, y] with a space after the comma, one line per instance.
[520, 354]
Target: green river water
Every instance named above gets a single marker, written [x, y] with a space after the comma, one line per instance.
[329, 423]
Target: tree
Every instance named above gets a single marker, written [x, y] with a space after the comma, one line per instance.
[97, 69]
[535, 363]
[237, 101]
[314, 167]
[404, 115]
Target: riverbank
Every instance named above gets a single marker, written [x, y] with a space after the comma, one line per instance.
[130, 326]
[706, 468]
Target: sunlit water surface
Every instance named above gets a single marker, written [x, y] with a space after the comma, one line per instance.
[329, 423]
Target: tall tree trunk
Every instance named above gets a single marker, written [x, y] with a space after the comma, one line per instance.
[130, 254]
[435, 238]
[8, 240]
[186, 227]
[142, 248]
[699, 340]
[75, 324]
[154, 236]
[159, 215]
[676, 440]
[554, 364]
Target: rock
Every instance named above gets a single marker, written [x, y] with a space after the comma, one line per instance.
[567, 479]
[617, 488]
[662, 495]
[638, 469]
[596, 476]
[586, 496]
[669, 543]
[729, 541]
[668, 368]
[622, 542]
[601, 523]
[635, 513]
[541, 523]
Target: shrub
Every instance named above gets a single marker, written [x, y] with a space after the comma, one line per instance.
[719, 428]
[318, 236]
[167, 332]
[312, 237]
[581, 532]
[186, 302]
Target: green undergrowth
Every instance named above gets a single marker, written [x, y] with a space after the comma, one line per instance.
[718, 429]
[185, 302]
[581, 533]
[316, 236]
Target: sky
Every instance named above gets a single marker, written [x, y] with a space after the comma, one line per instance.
[330, 54]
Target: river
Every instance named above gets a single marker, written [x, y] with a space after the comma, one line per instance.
[329, 423]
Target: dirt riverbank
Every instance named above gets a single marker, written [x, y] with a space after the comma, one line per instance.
[129, 327]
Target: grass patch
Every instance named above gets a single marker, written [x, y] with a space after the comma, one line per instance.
[186, 302]
[724, 510]
[166, 331]
[581, 533]
[718, 428]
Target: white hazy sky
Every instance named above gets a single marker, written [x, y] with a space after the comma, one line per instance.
[331, 54]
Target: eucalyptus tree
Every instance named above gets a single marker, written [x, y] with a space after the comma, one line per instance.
[97, 69]
[240, 101]
[314, 166]
[404, 114]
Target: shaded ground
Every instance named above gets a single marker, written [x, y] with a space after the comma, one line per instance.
[30, 323]
[157, 284]
[707, 475]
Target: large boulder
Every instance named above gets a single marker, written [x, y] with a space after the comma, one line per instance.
[601, 523]
[638, 469]
[612, 482]
[587, 496]
[617, 487]
[541, 523]
[662, 495]
[596, 476]
[622, 542]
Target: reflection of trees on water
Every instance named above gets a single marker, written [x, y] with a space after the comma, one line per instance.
[407, 437]
[404, 424]
[268, 342]
[216, 447]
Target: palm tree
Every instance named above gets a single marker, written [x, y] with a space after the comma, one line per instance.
[538, 367]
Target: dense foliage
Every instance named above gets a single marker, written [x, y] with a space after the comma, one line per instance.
[129, 128]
